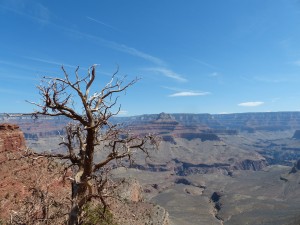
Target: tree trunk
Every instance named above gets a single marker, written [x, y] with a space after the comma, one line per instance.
[78, 195]
[80, 184]
[74, 214]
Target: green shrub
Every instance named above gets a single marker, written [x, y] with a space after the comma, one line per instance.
[95, 214]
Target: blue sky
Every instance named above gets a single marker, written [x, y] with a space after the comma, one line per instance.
[193, 56]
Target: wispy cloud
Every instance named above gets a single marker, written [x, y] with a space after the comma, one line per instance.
[135, 52]
[100, 22]
[173, 88]
[297, 63]
[16, 66]
[10, 91]
[280, 79]
[13, 64]
[267, 80]
[117, 46]
[167, 73]
[204, 63]
[50, 62]
[36, 11]
[189, 94]
[251, 104]
[43, 15]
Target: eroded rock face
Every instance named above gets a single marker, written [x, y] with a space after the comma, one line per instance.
[296, 167]
[248, 164]
[20, 176]
[11, 139]
[169, 129]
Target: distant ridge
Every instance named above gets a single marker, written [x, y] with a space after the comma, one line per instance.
[268, 121]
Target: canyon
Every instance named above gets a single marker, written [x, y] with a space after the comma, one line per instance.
[209, 169]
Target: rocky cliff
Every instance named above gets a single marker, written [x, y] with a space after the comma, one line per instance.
[20, 176]
[11, 139]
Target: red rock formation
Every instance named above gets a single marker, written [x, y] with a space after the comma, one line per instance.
[18, 175]
[11, 137]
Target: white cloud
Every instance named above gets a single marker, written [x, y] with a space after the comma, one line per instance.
[251, 104]
[188, 94]
[168, 73]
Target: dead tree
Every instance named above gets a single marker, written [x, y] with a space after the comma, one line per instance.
[89, 132]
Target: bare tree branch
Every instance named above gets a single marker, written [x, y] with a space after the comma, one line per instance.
[90, 128]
